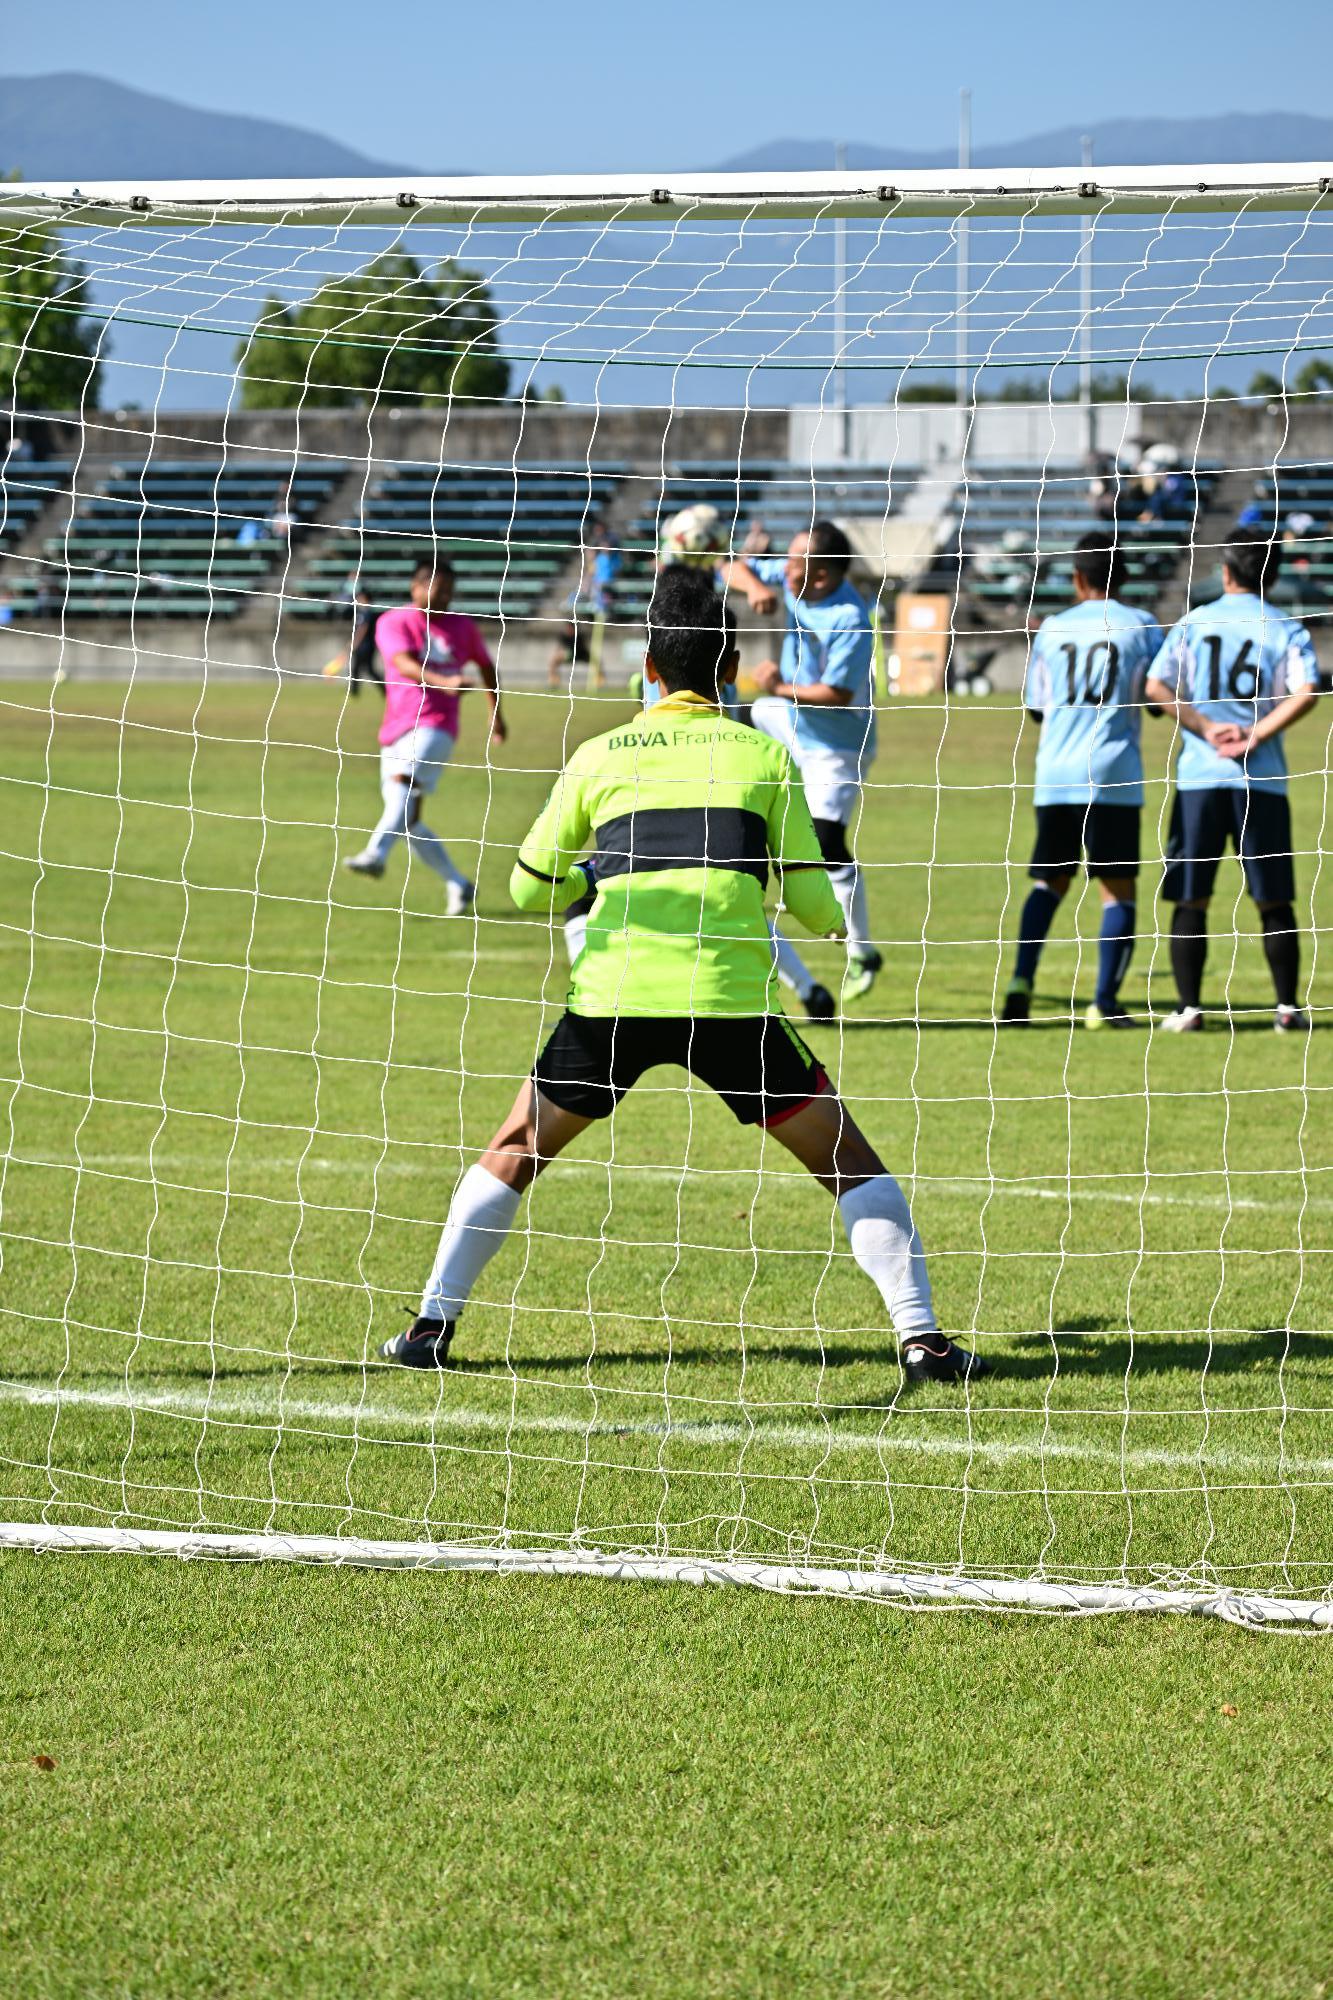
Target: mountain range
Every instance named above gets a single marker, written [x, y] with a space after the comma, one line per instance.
[70, 127]
[75, 127]
[1116, 142]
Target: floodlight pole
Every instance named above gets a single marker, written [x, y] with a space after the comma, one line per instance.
[1085, 322]
[961, 383]
[840, 318]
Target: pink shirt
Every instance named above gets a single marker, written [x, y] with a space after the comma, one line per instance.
[444, 640]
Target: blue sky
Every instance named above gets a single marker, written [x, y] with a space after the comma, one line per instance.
[527, 85]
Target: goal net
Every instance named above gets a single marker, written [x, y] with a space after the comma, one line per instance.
[242, 1082]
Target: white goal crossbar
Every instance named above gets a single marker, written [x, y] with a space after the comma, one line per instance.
[668, 196]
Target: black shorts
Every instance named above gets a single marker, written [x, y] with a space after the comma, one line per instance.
[575, 641]
[758, 1065]
[1107, 836]
[1258, 826]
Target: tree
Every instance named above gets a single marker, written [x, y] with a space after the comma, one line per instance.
[48, 345]
[1313, 378]
[930, 390]
[388, 331]
[1264, 384]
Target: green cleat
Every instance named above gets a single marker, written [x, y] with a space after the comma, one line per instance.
[862, 972]
[1117, 1017]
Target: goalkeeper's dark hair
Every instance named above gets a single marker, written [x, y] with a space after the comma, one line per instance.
[1100, 560]
[691, 633]
[1254, 557]
[428, 565]
[829, 547]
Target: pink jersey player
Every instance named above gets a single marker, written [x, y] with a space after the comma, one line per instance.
[426, 649]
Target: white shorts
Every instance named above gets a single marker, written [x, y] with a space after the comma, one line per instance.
[831, 779]
[421, 755]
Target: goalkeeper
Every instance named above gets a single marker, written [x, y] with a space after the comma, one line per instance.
[687, 809]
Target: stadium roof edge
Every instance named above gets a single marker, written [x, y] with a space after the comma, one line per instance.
[668, 197]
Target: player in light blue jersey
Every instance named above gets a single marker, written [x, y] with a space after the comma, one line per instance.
[819, 703]
[1235, 674]
[1085, 681]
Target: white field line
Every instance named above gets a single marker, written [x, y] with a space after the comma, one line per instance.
[927, 1184]
[270, 1410]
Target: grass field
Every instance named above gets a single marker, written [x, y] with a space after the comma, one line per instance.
[239, 1085]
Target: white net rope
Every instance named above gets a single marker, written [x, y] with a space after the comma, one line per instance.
[240, 1084]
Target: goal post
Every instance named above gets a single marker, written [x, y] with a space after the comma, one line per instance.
[241, 1082]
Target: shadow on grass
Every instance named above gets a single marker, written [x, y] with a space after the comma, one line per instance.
[1086, 1347]
[1040, 1024]
[1089, 1346]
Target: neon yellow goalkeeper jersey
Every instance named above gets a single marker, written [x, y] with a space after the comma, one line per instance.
[686, 811]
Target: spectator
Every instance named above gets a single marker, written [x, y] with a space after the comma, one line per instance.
[250, 532]
[363, 657]
[758, 541]
[1103, 484]
[591, 599]
[6, 607]
[283, 518]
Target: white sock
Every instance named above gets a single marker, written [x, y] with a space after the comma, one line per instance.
[576, 934]
[848, 885]
[885, 1244]
[426, 846]
[392, 821]
[792, 969]
[480, 1215]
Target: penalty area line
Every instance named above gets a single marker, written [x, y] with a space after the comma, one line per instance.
[271, 1411]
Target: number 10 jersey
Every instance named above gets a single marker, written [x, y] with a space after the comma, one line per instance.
[1085, 676]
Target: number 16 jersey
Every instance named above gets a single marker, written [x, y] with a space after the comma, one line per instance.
[1085, 675]
[1234, 660]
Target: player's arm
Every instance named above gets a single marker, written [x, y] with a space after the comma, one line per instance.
[411, 669]
[1037, 681]
[747, 578]
[835, 687]
[549, 874]
[1227, 738]
[1162, 692]
[1301, 673]
[389, 638]
[802, 870]
[1154, 639]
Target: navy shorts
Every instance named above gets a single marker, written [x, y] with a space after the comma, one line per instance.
[1258, 826]
[1105, 837]
[759, 1066]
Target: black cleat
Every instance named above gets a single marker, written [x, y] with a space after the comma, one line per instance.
[935, 1359]
[1017, 1001]
[424, 1344]
[819, 1004]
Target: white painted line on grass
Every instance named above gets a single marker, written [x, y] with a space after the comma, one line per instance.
[926, 1184]
[269, 1410]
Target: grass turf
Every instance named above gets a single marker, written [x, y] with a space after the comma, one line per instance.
[239, 1088]
[324, 1782]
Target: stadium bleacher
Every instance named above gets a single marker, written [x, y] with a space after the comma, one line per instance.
[26, 486]
[200, 537]
[509, 530]
[1011, 533]
[1304, 585]
[176, 538]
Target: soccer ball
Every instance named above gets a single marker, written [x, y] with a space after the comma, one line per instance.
[693, 536]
